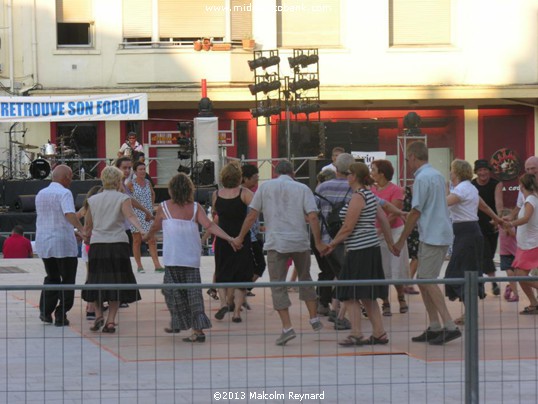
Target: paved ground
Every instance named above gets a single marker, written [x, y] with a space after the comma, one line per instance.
[240, 362]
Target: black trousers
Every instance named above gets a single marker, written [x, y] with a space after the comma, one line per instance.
[60, 271]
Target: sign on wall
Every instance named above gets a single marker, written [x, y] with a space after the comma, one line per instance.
[74, 108]
[369, 156]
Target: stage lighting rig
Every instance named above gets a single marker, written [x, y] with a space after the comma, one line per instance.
[264, 62]
[266, 108]
[305, 108]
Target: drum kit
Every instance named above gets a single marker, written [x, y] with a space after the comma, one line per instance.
[28, 163]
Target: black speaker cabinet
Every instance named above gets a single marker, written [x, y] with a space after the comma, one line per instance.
[204, 173]
[25, 203]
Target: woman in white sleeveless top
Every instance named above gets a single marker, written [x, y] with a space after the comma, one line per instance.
[179, 218]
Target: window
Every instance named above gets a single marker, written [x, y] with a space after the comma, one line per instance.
[308, 24]
[420, 23]
[74, 23]
[185, 20]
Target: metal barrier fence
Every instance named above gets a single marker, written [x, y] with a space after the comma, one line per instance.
[494, 362]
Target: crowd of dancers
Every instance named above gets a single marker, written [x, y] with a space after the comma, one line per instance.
[375, 239]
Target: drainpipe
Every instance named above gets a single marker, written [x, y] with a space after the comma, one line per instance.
[34, 45]
[11, 46]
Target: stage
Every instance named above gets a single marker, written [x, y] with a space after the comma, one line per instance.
[12, 191]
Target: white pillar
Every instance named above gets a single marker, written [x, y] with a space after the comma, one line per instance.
[264, 150]
[471, 135]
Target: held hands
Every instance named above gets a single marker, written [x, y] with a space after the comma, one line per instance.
[236, 243]
[396, 248]
[149, 216]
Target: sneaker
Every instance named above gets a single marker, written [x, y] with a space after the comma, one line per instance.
[46, 318]
[159, 270]
[124, 305]
[141, 270]
[323, 310]
[61, 322]
[316, 325]
[90, 315]
[427, 335]
[333, 315]
[446, 336]
[285, 337]
[343, 324]
[495, 289]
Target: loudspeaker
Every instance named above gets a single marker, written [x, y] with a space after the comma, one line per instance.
[204, 173]
[25, 203]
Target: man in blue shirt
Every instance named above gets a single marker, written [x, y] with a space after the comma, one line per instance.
[429, 208]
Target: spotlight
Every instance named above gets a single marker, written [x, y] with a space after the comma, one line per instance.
[303, 60]
[205, 107]
[304, 84]
[263, 62]
[412, 122]
[305, 108]
[183, 155]
[183, 169]
[265, 86]
[184, 127]
[265, 111]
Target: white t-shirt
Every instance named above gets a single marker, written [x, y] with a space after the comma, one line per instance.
[329, 167]
[527, 234]
[127, 149]
[467, 209]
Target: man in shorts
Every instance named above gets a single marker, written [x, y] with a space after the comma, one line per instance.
[429, 208]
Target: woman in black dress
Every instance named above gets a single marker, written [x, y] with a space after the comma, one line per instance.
[230, 204]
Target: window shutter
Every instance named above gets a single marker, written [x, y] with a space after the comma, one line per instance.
[192, 19]
[74, 10]
[317, 25]
[241, 20]
[420, 22]
[137, 18]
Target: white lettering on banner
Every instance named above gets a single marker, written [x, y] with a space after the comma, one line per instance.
[76, 108]
[368, 157]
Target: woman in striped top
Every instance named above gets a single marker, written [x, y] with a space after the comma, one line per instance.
[363, 257]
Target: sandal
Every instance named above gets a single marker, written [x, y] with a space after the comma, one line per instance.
[170, 330]
[195, 338]
[507, 292]
[381, 340]
[404, 308]
[236, 319]
[352, 340]
[410, 290]
[97, 324]
[109, 328]
[386, 310]
[460, 320]
[530, 310]
[213, 293]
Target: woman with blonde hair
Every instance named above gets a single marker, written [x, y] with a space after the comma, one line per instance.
[179, 218]
[363, 257]
[108, 258]
[230, 204]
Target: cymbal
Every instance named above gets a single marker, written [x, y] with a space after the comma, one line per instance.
[28, 146]
[15, 142]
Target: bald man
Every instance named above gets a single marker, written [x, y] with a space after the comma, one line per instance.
[56, 244]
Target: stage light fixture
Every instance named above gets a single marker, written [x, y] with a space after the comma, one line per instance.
[183, 169]
[412, 122]
[265, 86]
[263, 62]
[304, 84]
[305, 108]
[303, 60]
[266, 111]
[205, 107]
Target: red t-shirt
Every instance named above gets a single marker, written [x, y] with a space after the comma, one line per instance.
[17, 246]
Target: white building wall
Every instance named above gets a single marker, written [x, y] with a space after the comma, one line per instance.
[495, 42]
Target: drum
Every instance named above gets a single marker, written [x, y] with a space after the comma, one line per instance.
[40, 169]
[48, 150]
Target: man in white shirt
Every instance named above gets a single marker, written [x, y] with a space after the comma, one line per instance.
[531, 167]
[131, 148]
[284, 203]
[56, 244]
[335, 153]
